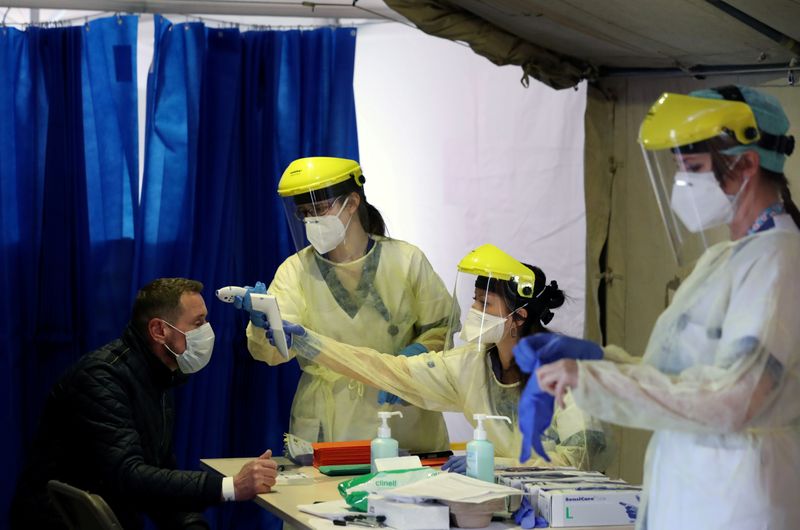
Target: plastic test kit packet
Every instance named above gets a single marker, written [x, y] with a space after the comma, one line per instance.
[356, 490]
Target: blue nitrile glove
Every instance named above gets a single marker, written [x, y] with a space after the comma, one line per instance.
[535, 414]
[551, 347]
[258, 318]
[535, 405]
[289, 329]
[526, 516]
[415, 348]
[456, 464]
[631, 510]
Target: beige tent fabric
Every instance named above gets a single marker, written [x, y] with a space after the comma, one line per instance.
[621, 208]
[599, 170]
[444, 19]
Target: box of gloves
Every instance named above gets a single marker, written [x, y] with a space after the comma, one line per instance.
[567, 497]
[589, 506]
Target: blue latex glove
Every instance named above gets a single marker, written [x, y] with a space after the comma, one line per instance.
[415, 348]
[535, 415]
[258, 318]
[631, 510]
[535, 405]
[526, 516]
[456, 464]
[289, 329]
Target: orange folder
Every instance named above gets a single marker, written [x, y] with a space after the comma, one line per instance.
[341, 453]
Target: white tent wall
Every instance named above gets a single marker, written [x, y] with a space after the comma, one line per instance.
[638, 253]
[457, 154]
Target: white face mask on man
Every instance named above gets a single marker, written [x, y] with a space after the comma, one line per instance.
[326, 232]
[199, 347]
[699, 202]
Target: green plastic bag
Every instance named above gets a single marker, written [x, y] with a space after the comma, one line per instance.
[355, 490]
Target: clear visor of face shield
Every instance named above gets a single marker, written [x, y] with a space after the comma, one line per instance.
[478, 316]
[693, 207]
[310, 205]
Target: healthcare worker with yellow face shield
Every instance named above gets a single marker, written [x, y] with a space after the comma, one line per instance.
[502, 300]
[719, 381]
[350, 282]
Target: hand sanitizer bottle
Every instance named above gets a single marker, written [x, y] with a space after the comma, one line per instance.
[480, 451]
[384, 446]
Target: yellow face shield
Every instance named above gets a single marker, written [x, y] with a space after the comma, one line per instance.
[313, 191]
[676, 120]
[486, 281]
[313, 174]
[683, 141]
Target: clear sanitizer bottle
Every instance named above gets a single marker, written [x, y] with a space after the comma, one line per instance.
[384, 446]
[480, 451]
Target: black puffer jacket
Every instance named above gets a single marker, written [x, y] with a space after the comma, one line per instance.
[107, 428]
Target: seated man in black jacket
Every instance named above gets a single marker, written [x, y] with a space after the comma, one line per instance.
[107, 424]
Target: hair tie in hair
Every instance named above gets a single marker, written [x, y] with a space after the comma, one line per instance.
[551, 294]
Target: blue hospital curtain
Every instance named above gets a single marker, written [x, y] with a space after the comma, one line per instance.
[226, 113]
[68, 176]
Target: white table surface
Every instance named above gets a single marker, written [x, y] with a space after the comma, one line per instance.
[283, 500]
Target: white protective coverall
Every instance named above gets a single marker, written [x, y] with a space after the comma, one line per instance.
[462, 380]
[387, 299]
[719, 385]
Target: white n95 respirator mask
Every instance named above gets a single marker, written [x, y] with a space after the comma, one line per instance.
[326, 232]
[490, 329]
[699, 202]
[199, 347]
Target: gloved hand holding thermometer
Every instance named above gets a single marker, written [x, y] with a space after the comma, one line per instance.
[264, 312]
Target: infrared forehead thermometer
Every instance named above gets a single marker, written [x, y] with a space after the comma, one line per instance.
[267, 304]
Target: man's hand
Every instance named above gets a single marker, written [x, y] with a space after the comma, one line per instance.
[256, 477]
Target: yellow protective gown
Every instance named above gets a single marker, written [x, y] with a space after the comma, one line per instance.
[462, 380]
[720, 386]
[387, 299]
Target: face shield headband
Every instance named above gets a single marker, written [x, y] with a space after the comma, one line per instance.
[337, 190]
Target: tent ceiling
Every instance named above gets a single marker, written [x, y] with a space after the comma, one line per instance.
[619, 36]
[652, 33]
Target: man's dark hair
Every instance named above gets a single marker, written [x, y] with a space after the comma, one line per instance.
[160, 298]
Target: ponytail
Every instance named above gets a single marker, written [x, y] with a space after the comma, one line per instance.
[370, 218]
[375, 224]
[786, 195]
[788, 203]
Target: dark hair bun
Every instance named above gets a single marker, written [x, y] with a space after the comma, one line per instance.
[552, 296]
